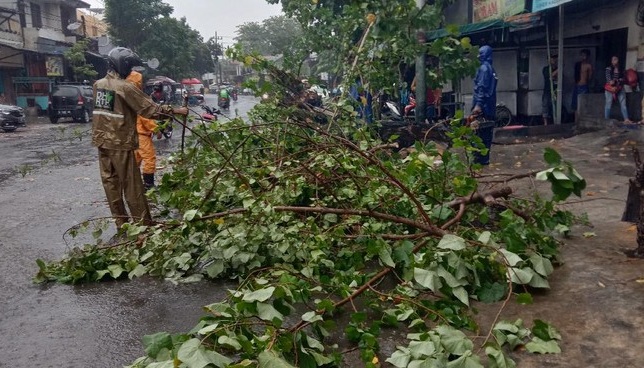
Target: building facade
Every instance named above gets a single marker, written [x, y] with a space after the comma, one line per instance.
[34, 34]
[523, 39]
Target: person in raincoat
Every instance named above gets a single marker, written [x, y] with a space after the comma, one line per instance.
[146, 128]
[484, 101]
[116, 106]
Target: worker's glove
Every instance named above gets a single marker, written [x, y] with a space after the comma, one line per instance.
[166, 109]
[472, 121]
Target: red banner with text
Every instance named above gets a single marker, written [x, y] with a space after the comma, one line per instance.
[496, 9]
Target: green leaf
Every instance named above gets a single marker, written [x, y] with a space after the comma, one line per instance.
[485, 236]
[543, 347]
[155, 342]
[400, 358]
[512, 258]
[419, 349]
[490, 293]
[190, 215]
[521, 276]
[544, 331]
[269, 359]
[543, 175]
[138, 271]
[385, 256]
[229, 341]
[497, 359]
[525, 298]
[215, 269]
[539, 282]
[311, 316]
[453, 340]
[194, 355]
[268, 313]
[467, 360]
[427, 278]
[452, 242]
[506, 327]
[551, 157]
[541, 265]
[314, 344]
[402, 253]
[115, 270]
[461, 294]
[321, 359]
[164, 364]
[260, 295]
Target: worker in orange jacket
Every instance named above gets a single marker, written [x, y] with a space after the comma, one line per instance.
[146, 128]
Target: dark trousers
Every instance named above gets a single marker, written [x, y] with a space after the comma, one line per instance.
[121, 178]
[486, 135]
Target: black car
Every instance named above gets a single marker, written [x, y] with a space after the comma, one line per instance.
[71, 101]
[11, 117]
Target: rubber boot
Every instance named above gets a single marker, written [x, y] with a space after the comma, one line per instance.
[148, 181]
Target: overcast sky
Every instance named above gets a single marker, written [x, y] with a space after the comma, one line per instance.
[223, 16]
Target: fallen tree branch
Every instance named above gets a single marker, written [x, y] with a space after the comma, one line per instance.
[430, 229]
[486, 198]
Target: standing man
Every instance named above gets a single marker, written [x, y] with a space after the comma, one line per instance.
[484, 102]
[117, 104]
[583, 76]
[550, 74]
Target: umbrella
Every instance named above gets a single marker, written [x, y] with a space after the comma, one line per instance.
[190, 81]
[162, 79]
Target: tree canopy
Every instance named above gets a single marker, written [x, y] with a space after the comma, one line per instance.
[131, 21]
[273, 36]
[147, 27]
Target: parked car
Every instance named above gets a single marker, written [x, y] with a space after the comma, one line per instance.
[71, 101]
[11, 117]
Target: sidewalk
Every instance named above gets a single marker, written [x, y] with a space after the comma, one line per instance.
[596, 299]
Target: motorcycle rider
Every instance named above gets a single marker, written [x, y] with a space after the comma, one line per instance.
[224, 97]
[146, 129]
[157, 92]
[116, 106]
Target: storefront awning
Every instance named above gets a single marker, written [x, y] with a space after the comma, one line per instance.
[466, 29]
[514, 23]
[539, 5]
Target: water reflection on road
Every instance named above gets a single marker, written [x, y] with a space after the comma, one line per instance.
[93, 325]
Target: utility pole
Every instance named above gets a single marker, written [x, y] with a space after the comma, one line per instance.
[421, 86]
[560, 49]
[221, 80]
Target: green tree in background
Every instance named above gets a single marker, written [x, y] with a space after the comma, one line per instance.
[75, 56]
[274, 36]
[147, 27]
[131, 21]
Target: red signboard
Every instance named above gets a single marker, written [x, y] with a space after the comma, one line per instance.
[496, 9]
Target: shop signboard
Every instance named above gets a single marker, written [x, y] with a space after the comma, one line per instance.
[539, 5]
[496, 9]
[54, 66]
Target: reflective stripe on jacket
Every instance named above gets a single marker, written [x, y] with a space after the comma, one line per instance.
[116, 105]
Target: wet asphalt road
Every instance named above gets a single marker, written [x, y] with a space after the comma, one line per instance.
[49, 181]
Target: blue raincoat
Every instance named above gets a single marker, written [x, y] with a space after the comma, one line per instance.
[485, 98]
[485, 84]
